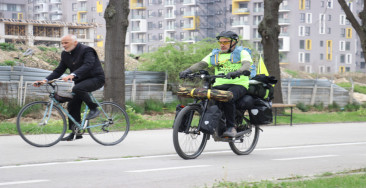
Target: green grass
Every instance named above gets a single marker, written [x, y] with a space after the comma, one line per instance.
[357, 88]
[323, 117]
[326, 180]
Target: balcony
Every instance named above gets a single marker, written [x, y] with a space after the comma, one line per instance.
[138, 41]
[284, 21]
[138, 17]
[55, 1]
[170, 16]
[169, 3]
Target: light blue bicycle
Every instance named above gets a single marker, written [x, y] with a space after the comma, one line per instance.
[43, 123]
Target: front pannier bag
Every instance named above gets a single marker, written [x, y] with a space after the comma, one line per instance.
[210, 120]
[261, 113]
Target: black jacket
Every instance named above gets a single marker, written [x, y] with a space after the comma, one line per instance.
[83, 61]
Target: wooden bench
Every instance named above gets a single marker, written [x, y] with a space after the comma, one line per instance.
[278, 105]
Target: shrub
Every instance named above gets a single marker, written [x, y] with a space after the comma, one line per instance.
[352, 107]
[334, 107]
[8, 63]
[152, 105]
[138, 108]
[319, 107]
[42, 48]
[301, 106]
[7, 46]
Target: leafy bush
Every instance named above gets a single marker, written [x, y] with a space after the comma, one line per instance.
[42, 48]
[152, 105]
[352, 107]
[8, 109]
[334, 107]
[138, 108]
[7, 46]
[319, 107]
[301, 106]
[8, 63]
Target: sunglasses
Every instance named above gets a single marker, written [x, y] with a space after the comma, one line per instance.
[224, 42]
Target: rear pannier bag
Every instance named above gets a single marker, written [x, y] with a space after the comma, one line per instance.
[210, 120]
[261, 113]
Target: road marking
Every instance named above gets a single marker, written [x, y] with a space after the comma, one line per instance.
[308, 157]
[170, 168]
[22, 182]
[175, 155]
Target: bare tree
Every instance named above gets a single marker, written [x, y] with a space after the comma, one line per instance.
[360, 28]
[269, 30]
[116, 17]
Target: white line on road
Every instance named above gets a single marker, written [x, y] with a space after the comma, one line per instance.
[22, 182]
[170, 168]
[308, 157]
[175, 155]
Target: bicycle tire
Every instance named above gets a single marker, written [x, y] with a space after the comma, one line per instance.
[112, 131]
[246, 144]
[37, 128]
[189, 143]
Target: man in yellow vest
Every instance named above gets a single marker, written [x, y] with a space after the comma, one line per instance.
[234, 62]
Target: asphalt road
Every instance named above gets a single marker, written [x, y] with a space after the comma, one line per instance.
[148, 159]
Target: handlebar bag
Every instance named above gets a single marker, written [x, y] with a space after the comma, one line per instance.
[63, 97]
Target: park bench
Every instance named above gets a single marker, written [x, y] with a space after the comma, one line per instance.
[275, 106]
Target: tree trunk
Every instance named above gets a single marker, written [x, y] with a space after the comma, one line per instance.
[269, 30]
[116, 17]
[360, 29]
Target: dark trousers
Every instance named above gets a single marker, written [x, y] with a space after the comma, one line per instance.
[229, 108]
[81, 91]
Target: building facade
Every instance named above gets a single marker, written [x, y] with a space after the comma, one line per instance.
[315, 35]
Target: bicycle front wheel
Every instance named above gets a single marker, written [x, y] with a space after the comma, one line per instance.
[245, 144]
[40, 125]
[188, 141]
[111, 126]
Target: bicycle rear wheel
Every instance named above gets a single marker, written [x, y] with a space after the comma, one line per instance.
[41, 126]
[188, 141]
[111, 126]
[245, 144]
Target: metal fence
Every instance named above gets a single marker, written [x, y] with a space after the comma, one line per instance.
[15, 83]
[310, 92]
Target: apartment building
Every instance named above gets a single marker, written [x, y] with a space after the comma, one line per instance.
[315, 35]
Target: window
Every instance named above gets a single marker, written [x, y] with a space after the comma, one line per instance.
[301, 57]
[308, 18]
[321, 43]
[322, 24]
[160, 13]
[348, 58]
[349, 33]
[308, 44]
[307, 57]
[329, 30]
[74, 18]
[362, 65]
[321, 69]
[321, 56]
[329, 17]
[343, 32]
[307, 31]
[321, 3]
[342, 45]
[14, 16]
[160, 36]
[302, 17]
[301, 4]
[329, 3]
[348, 46]
[11, 7]
[342, 58]
[160, 24]
[307, 4]
[150, 25]
[342, 19]
[181, 35]
[302, 44]
[301, 31]
[94, 9]
[329, 50]
[74, 7]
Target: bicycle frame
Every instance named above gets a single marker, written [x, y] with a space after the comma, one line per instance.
[84, 123]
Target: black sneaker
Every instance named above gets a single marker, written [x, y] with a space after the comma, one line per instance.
[230, 132]
[93, 113]
[70, 137]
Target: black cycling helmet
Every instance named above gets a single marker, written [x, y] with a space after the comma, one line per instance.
[228, 34]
